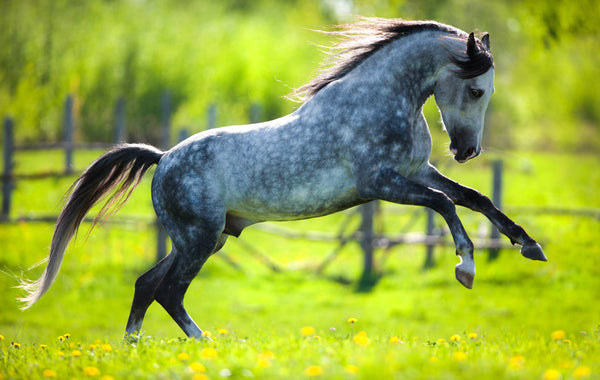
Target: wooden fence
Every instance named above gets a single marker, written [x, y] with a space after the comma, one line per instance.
[369, 213]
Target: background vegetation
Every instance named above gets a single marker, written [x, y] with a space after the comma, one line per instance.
[522, 320]
[235, 53]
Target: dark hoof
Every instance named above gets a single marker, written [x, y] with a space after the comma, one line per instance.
[533, 252]
[465, 278]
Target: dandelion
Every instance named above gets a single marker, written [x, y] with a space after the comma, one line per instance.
[67, 336]
[61, 354]
[313, 370]
[516, 362]
[107, 377]
[76, 353]
[48, 373]
[395, 340]
[434, 359]
[16, 345]
[107, 347]
[265, 358]
[91, 371]
[307, 331]
[455, 338]
[473, 335]
[352, 320]
[61, 338]
[459, 356]
[43, 346]
[551, 374]
[1, 338]
[582, 372]
[200, 376]
[208, 353]
[441, 341]
[183, 356]
[351, 369]
[558, 335]
[197, 367]
[361, 339]
[223, 332]
[206, 334]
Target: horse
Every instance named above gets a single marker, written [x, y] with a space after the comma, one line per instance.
[358, 135]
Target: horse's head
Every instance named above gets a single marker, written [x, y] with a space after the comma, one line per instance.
[462, 93]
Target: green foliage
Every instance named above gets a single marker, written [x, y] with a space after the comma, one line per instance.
[532, 320]
[236, 53]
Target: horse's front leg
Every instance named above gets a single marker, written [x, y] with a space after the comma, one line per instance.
[473, 199]
[389, 185]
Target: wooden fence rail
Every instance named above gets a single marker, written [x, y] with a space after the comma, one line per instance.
[369, 240]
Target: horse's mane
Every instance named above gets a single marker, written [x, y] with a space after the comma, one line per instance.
[363, 38]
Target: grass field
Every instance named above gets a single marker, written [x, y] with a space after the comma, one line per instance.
[522, 320]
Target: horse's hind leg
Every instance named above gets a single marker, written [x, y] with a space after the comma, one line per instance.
[187, 262]
[145, 286]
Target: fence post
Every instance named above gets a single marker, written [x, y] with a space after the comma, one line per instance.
[367, 279]
[120, 121]
[161, 243]
[429, 258]
[497, 167]
[7, 180]
[68, 138]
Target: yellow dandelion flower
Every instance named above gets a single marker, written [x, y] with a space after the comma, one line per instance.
[61, 338]
[67, 336]
[223, 332]
[316, 337]
[361, 339]
[91, 371]
[61, 354]
[43, 346]
[197, 367]
[473, 335]
[208, 353]
[395, 340]
[434, 359]
[1, 337]
[76, 353]
[455, 338]
[441, 341]
[307, 331]
[207, 334]
[459, 356]
[582, 372]
[107, 347]
[107, 377]
[16, 345]
[200, 376]
[558, 335]
[183, 356]
[49, 373]
[313, 370]
[351, 369]
[516, 362]
[268, 355]
[352, 320]
[263, 362]
[551, 374]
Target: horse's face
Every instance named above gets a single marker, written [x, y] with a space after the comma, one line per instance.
[462, 103]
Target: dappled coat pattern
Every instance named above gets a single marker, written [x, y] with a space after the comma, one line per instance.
[359, 135]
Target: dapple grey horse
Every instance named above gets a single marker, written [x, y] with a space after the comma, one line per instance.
[359, 135]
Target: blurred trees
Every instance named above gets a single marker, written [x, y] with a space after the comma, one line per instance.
[235, 53]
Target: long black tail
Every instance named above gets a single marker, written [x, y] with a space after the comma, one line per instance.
[118, 172]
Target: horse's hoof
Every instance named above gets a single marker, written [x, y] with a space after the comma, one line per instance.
[464, 277]
[533, 252]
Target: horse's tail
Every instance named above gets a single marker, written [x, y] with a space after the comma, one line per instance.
[118, 172]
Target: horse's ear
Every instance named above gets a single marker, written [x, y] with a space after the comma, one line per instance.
[471, 46]
[486, 40]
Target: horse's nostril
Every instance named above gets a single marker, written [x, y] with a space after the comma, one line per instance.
[470, 151]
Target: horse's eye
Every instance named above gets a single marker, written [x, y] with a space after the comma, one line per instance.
[477, 93]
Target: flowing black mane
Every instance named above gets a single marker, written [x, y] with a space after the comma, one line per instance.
[363, 38]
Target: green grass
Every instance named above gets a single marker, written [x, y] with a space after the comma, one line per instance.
[516, 307]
